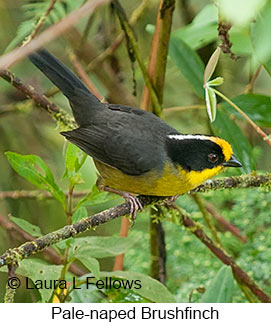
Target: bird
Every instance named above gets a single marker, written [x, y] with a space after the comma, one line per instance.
[135, 152]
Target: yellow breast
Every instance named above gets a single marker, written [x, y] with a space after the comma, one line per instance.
[171, 181]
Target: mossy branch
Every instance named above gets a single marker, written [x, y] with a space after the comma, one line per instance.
[29, 248]
[243, 181]
[56, 112]
[12, 256]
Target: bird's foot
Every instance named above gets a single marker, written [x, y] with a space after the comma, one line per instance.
[134, 202]
[135, 205]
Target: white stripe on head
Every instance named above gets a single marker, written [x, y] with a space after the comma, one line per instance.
[185, 137]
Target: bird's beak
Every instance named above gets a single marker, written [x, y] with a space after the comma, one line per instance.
[232, 162]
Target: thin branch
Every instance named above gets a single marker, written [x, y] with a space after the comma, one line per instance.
[157, 246]
[10, 292]
[36, 194]
[83, 75]
[238, 272]
[252, 123]
[124, 229]
[59, 114]
[40, 22]
[117, 42]
[50, 34]
[225, 224]
[207, 217]
[243, 181]
[250, 85]
[21, 235]
[134, 48]
[12, 256]
[117, 92]
[159, 52]
[183, 108]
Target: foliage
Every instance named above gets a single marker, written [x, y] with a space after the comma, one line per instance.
[195, 69]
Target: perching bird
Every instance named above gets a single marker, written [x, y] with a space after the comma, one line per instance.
[135, 151]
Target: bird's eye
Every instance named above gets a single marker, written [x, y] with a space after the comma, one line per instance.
[213, 158]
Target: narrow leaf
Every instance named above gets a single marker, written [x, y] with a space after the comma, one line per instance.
[90, 263]
[34, 169]
[225, 128]
[210, 99]
[211, 65]
[221, 287]
[40, 272]
[256, 106]
[189, 64]
[151, 289]
[26, 226]
[95, 197]
[202, 30]
[260, 34]
[267, 66]
[216, 82]
[101, 247]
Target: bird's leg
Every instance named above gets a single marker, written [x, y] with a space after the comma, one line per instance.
[134, 202]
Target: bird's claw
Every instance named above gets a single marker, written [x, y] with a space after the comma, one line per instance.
[171, 200]
[135, 206]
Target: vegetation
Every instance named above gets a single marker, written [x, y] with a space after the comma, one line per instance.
[203, 66]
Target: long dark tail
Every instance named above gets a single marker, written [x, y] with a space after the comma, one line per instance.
[83, 102]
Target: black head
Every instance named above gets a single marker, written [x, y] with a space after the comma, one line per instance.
[199, 152]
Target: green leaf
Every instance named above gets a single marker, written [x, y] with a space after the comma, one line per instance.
[241, 41]
[267, 67]
[227, 129]
[90, 263]
[209, 14]
[33, 12]
[210, 99]
[95, 197]
[216, 82]
[79, 214]
[151, 289]
[260, 34]
[197, 36]
[24, 29]
[37, 269]
[221, 287]
[86, 293]
[189, 64]
[34, 169]
[26, 226]
[256, 106]
[75, 158]
[202, 30]
[63, 244]
[101, 247]
[211, 65]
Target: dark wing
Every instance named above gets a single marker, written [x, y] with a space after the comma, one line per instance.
[131, 142]
[133, 156]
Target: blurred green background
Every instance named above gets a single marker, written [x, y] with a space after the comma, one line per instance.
[30, 130]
